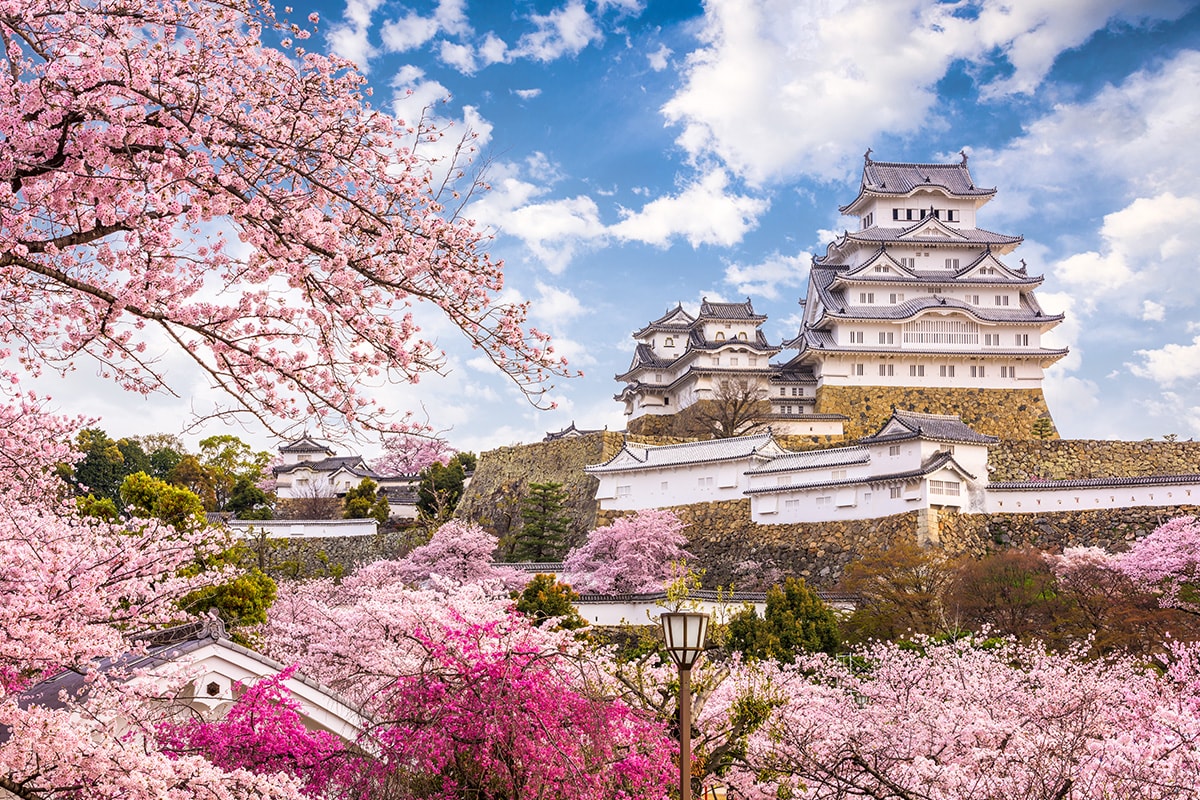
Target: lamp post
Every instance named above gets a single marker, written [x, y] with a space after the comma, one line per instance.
[685, 633]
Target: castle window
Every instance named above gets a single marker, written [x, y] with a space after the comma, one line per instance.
[753, 361]
[916, 370]
[922, 213]
[894, 492]
[937, 213]
[973, 299]
[909, 213]
[624, 491]
[895, 213]
[669, 342]
[1022, 339]
[791, 505]
[1001, 299]
[797, 391]
[733, 362]
[894, 450]
[887, 370]
[947, 370]
[991, 339]
[658, 377]
[881, 268]
[858, 369]
[824, 500]
[944, 487]
[1008, 372]
[742, 335]
[783, 391]
[667, 400]
[704, 483]
[856, 337]
[837, 474]
[720, 336]
[716, 361]
[896, 297]
[887, 337]
[951, 263]
[977, 371]
[866, 297]
[908, 262]
[941, 331]
[951, 215]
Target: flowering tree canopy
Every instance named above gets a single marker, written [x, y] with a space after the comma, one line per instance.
[169, 179]
[1168, 560]
[459, 552]
[633, 554]
[408, 454]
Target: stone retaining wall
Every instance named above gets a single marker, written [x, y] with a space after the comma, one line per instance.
[996, 412]
[1060, 459]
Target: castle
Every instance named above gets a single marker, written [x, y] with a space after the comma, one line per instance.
[914, 309]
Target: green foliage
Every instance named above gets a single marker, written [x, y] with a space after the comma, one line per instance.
[144, 496]
[467, 460]
[102, 468]
[226, 459]
[247, 501]
[241, 602]
[366, 501]
[1043, 428]
[544, 598]
[796, 621]
[440, 488]
[102, 508]
[190, 474]
[545, 523]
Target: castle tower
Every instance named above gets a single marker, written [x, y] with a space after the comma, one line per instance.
[680, 359]
[917, 309]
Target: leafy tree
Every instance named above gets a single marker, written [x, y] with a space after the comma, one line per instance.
[102, 468]
[467, 460]
[901, 591]
[164, 451]
[191, 474]
[458, 552]
[144, 496]
[366, 501]
[545, 523]
[440, 488]
[1012, 593]
[544, 598]
[247, 501]
[735, 408]
[1043, 428]
[795, 621]
[134, 458]
[226, 459]
[633, 554]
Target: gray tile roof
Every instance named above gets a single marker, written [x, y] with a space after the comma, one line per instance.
[351, 463]
[740, 311]
[813, 459]
[1095, 483]
[673, 321]
[933, 464]
[306, 444]
[888, 177]
[658, 456]
[938, 427]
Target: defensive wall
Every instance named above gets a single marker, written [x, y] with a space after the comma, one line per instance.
[734, 550]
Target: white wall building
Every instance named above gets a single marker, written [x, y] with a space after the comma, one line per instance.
[914, 462]
[309, 468]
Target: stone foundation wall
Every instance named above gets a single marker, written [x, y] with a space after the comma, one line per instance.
[1060, 459]
[502, 478]
[996, 412]
[325, 557]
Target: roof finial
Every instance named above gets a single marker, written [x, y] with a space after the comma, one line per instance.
[963, 153]
[1022, 263]
[867, 156]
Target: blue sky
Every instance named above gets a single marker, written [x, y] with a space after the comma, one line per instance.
[646, 153]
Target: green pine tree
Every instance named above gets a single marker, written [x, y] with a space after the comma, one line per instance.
[544, 524]
[796, 621]
[365, 501]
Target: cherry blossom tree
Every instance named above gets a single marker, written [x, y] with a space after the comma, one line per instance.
[959, 719]
[409, 453]
[1168, 561]
[633, 554]
[170, 179]
[459, 552]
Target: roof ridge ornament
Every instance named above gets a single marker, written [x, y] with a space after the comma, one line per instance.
[867, 156]
[963, 153]
[212, 626]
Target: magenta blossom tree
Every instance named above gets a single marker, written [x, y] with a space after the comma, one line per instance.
[633, 554]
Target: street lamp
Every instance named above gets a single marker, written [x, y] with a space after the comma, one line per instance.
[685, 632]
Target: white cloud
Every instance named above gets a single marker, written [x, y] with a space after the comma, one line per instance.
[704, 212]
[659, 58]
[493, 50]
[459, 56]
[1144, 252]
[1170, 364]
[349, 39]
[782, 87]
[408, 32]
[527, 94]
[767, 277]
[564, 31]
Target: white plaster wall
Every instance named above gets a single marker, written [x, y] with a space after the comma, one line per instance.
[1032, 501]
[305, 528]
[682, 486]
